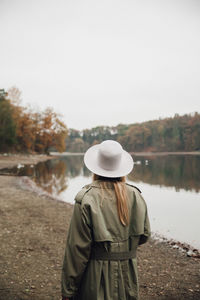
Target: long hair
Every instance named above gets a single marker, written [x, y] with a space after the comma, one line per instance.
[121, 195]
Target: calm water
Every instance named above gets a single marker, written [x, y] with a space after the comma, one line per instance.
[169, 184]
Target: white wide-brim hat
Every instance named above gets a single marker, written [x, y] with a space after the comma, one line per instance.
[108, 159]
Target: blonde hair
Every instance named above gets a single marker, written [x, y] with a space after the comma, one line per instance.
[121, 195]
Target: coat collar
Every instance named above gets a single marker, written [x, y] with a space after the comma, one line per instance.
[99, 184]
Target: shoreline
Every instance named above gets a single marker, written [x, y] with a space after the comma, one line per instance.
[164, 153]
[32, 242]
[133, 153]
[11, 160]
[183, 247]
[26, 184]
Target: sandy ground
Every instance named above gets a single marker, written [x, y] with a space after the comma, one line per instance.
[32, 240]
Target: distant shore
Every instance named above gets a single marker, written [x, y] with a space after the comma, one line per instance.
[165, 153]
[12, 160]
[133, 153]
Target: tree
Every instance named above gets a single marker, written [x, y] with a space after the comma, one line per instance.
[30, 131]
[14, 95]
[7, 124]
[52, 132]
[180, 133]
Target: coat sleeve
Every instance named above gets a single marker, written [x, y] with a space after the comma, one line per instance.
[147, 231]
[141, 225]
[77, 252]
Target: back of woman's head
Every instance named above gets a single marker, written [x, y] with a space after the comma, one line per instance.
[120, 193]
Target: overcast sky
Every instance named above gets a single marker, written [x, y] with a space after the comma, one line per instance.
[103, 62]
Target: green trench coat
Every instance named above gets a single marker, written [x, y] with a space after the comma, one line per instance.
[95, 221]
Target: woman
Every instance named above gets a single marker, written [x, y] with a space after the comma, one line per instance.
[109, 221]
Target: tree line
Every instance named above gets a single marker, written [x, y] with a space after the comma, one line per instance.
[24, 130]
[178, 133]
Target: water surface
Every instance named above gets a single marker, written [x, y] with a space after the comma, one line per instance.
[169, 184]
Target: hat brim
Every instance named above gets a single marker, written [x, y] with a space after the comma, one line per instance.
[124, 168]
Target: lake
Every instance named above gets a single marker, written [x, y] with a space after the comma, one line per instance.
[170, 185]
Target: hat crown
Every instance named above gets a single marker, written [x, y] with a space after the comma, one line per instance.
[109, 155]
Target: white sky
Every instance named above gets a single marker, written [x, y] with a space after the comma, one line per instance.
[103, 62]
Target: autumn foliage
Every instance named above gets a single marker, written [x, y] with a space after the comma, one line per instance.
[24, 130]
[179, 133]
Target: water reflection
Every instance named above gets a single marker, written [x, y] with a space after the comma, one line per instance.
[49, 175]
[75, 166]
[181, 172]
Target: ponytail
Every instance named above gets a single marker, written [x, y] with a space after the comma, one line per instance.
[121, 196]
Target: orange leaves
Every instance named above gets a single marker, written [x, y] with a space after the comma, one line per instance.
[53, 131]
[35, 131]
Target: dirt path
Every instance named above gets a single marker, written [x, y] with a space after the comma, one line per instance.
[32, 240]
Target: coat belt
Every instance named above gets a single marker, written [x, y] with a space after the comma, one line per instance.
[102, 254]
